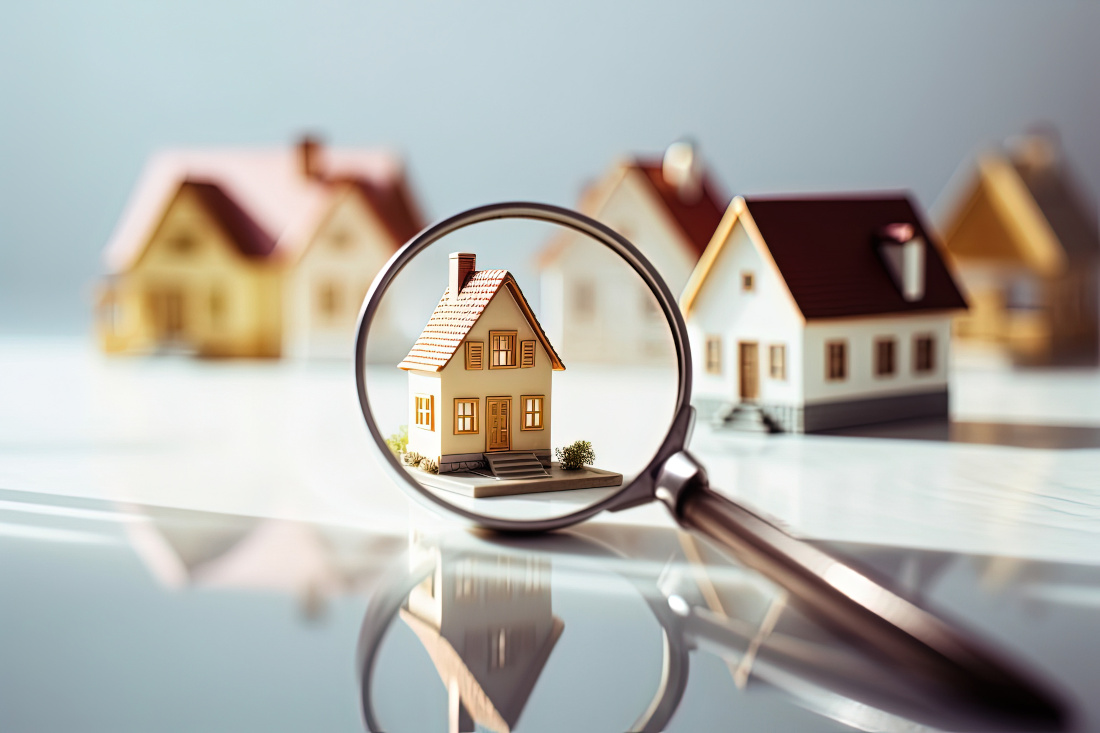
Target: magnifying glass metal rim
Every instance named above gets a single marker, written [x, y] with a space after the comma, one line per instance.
[643, 488]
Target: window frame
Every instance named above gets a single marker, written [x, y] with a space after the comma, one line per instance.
[714, 365]
[540, 412]
[418, 410]
[880, 342]
[480, 349]
[527, 354]
[748, 281]
[472, 417]
[493, 351]
[842, 344]
[918, 364]
[780, 349]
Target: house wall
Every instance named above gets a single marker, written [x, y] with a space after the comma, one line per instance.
[455, 381]
[594, 308]
[326, 287]
[192, 289]
[766, 315]
[860, 335]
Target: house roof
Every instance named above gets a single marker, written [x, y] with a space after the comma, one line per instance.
[249, 238]
[1058, 197]
[268, 188]
[825, 251]
[452, 320]
[695, 218]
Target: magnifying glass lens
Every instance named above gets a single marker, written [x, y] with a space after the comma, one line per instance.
[521, 370]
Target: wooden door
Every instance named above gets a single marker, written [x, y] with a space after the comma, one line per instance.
[498, 412]
[167, 311]
[749, 371]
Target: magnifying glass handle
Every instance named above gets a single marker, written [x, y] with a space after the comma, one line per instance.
[851, 602]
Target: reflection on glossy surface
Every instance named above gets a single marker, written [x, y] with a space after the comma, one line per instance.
[488, 626]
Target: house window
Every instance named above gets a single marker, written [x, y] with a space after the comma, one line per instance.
[527, 354]
[748, 282]
[340, 239]
[584, 298]
[777, 361]
[885, 357]
[714, 355]
[475, 351]
[465, 416]
[182, 242]
[532, 412]
[328, 298]
[425, 411]
[836, 360]
[650, 310]
[504, 349]
[217, 307]
[924, 353]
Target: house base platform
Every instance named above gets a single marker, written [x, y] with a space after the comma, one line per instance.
[479, 486]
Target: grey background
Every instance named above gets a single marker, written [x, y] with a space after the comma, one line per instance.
[502, 100]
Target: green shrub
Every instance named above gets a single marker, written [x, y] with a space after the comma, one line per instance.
[427, 465]
[574, 456]
[412, 458]
[399, 441]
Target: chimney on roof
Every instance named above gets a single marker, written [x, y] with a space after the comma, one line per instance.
[681, 169]
[903, 253]
[1039, 149]
[310, 150]
[461, 265]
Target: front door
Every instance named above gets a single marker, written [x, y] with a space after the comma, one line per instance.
[749, 372]
[499, 435]
[167, 311]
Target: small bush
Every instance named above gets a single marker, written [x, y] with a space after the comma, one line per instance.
[574, 456]
[399, 441]
[412, 458]
[427, 465]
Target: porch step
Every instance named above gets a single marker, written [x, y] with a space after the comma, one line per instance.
[515, 465]
[745, 417]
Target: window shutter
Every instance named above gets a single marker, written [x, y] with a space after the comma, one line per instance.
[527, 354]
[475, 351]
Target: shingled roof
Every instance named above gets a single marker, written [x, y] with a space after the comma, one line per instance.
[452, 319]
[825, 251]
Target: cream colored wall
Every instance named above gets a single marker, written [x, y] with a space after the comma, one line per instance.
[249, 323]
[860, 335]
[347, 250]
[502, 314]
[624, 326]
[766, 315]
[425, 442]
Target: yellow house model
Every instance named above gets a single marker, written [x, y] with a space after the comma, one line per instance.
[1025, 243]
[479, 378]
[252, 252]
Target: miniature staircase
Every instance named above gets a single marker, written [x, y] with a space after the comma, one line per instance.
[515, 465]
[745, 417]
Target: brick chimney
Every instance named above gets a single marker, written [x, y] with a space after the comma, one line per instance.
[903, 253]
[310, 150]
[462, 264]
[681, 170]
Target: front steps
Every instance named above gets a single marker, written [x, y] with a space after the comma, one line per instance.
[515, 465]
[746, 417]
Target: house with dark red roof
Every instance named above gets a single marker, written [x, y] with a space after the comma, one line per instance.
[813, 313]
[596, 309]
[242, 252]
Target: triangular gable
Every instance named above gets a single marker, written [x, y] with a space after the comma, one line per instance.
[452, 320]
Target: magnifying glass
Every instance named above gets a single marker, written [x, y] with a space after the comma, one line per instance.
[488, 399]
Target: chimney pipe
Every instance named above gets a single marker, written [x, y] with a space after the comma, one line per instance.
[903, 253]
[309, 157]
[461, 265]
[681, 169]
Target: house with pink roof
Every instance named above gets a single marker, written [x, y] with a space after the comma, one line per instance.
[253, 253]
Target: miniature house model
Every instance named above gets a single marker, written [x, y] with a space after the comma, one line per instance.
[489, 632]
[479, 378]
[1024, 241]
[252, 253]
[596, 309]
[808, 314]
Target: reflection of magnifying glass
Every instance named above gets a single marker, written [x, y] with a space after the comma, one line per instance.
[482, 407]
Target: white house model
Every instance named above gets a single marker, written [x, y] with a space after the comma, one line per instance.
[595, 308]
[809, 314]
[479, 378]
